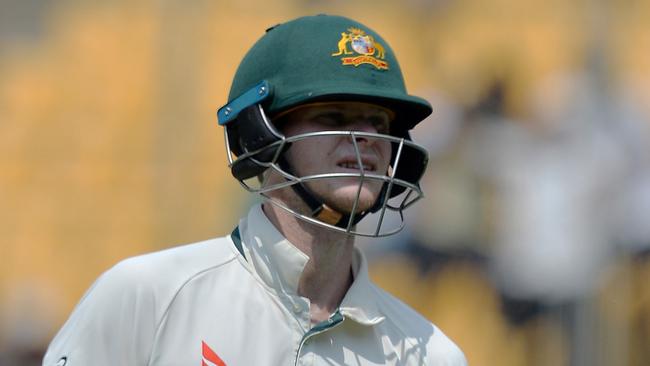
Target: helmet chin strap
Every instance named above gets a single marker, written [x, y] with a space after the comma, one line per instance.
[321, 211]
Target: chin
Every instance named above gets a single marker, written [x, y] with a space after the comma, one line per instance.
[343, 198]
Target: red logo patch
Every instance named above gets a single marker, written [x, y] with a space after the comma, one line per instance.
[211, 356]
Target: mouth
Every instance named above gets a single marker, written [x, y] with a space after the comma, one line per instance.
[368, 166]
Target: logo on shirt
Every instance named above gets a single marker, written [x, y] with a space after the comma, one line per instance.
[210, 357]
[368, 51]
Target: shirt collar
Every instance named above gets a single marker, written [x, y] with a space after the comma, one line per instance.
[279, 264]
[276, 261]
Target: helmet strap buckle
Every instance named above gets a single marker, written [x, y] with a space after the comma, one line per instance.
[327, 214]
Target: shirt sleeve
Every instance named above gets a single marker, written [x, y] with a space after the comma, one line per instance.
[113, 324]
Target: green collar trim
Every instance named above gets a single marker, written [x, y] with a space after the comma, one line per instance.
[333, 321]
[236, 239]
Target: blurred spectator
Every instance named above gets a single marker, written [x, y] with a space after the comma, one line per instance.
[553, 179]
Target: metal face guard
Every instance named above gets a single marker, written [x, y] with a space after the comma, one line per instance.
[400, 187]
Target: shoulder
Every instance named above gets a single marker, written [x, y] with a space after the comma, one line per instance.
[148, 284]
[127, 303]
[165, 271]
[181, 261]
[416, 329]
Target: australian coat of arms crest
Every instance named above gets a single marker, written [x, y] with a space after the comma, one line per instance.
[365, 50]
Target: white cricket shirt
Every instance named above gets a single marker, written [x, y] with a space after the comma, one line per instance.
[206, 304]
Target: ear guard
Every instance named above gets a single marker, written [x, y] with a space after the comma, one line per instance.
[250, 134]
[412, 164]
[253, 133]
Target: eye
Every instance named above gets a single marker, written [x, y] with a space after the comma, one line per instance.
[330, 119]
[380, 123]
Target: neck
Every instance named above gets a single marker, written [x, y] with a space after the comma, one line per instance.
[328, 273]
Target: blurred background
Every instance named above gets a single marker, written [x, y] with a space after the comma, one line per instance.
[532, 246]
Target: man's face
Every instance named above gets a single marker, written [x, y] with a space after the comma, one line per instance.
[337, 154]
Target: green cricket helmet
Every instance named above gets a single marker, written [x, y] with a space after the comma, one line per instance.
[312, 59]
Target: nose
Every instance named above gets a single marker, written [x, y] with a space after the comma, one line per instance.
[364, 126]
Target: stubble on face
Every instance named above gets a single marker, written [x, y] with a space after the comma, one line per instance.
[338, 154]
